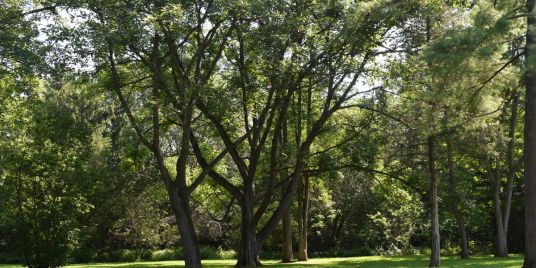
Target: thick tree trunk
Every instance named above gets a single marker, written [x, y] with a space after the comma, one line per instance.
[287, 218]
[286, 224]
[303, 210]
[458, 216]
[530, 141]
[248, 253]
[182, 212]
[287, 237]
[435, 254]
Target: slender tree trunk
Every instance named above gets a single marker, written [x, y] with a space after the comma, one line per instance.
[303, 211]
[464, 254]
[495, 182]
[458, 216]
[338, 229]
[303, 195]
[500, 237]
[530, 141]
[435, 254]
[511, 165]
[502, 218]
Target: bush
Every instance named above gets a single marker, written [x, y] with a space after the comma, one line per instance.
[9, 258]
[450, 250]
[426, 251]
[227, 254]
[341, 253]
[133, 255]
[83, 256]
[166, 255]
[127, 255]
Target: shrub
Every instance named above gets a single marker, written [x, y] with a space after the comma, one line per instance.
[166, 255]
[9, 258]
[126, 255]
[227, 254]
[83, 256]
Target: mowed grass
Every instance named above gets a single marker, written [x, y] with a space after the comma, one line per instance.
[361, 262]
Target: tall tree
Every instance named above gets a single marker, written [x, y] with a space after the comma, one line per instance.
[128, 38]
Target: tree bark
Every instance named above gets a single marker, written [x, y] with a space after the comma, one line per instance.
[530, 141]
[502, 215]
[303, 210]
[248, 253]
[434, 216]
[495, 182]
[190, 248]
[287, 218]
[500, 237]
[287, 237]
[458, 216]
[511, 165]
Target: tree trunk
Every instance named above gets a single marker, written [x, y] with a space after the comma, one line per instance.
[177, 190]
[287, 218]
[303, 210]
[182, 212]
[464, 254]
[511, 165]
[340, 225]
[287, 237]
[530, 141]
[435, 254]
[495, 182]
[248, 253]
[458, 216]
[334, 226]
[500, 237]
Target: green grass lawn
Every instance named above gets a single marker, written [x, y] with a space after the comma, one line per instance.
[361, 262]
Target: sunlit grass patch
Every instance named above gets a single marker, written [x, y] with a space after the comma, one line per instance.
[360, 262]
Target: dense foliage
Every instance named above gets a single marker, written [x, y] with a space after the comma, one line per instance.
[161, 130]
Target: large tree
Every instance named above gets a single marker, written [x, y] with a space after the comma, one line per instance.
[279, 49]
